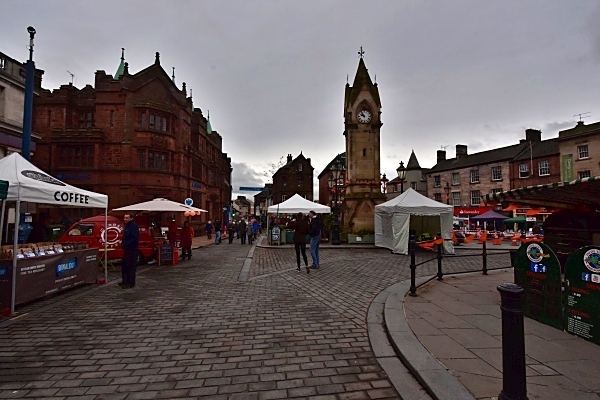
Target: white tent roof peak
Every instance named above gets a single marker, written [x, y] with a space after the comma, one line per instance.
[159, 205]
[29, 183]
[415, 203]
[296, 204]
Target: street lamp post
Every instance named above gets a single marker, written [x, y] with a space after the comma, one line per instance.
[401, 170]
[447, 190]
[337, 170]
[384, 181]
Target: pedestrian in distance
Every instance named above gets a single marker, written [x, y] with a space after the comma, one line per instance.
[242, 227]
[187, 233]
[130, 244]
[231, 231]
[250, 233]
[217, 232]
[315, 230]
[255, 228]
[172, 235]
[209, 229]
[301, 228]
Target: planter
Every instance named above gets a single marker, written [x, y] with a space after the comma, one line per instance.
[358, 239]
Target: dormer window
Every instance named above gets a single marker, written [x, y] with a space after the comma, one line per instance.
[300, 167]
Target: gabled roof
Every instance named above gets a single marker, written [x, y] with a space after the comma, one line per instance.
[413, 163]
[340, 157]
[580, 129]
[362, 78]
[484, 157]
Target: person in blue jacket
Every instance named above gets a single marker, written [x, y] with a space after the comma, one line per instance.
[130, 243]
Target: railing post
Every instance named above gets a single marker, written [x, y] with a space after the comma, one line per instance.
[439, 259]
[485, 257]
[413, 267]
[514, 383]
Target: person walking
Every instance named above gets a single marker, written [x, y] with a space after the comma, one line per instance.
[230, 231]
[315, 231]
[250, 233]
[217, 232]
[186, 235]
[172, 235]
[130, 243]
[301, 228]
[209, 229]
[242, 227]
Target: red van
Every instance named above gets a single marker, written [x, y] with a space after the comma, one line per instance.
[93, 231]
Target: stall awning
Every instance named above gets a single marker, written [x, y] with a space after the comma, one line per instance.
[574, 194]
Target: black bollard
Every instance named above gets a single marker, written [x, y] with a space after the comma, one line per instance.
[413, 267]
[485, 257]
[514, 383]
[439, 259]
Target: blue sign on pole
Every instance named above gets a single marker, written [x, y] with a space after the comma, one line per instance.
[251, 189]
[189, 202]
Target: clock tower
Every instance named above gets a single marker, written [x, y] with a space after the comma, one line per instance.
[362, 122]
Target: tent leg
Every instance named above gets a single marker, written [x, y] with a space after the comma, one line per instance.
[13, 295]
[106, 245]
[2, 218]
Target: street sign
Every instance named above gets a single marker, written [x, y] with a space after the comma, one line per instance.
[537, 270]
[189, 202]
[251, 189]
[582, 306]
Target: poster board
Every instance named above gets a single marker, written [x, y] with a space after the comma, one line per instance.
[582, 306]
[537, 270]
[166, 252]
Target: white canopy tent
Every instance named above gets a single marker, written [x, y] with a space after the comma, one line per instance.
[159, 205]
[31, 184]
[411, 210]
[296, 204]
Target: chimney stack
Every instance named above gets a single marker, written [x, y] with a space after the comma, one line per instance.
[533, 135]
[441, 155]
[289, 158]
[461, 150]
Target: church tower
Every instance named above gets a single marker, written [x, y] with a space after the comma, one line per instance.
[362, 122]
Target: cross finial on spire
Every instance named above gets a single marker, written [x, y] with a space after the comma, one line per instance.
[173, 76]
[347, 76]
[361, 53]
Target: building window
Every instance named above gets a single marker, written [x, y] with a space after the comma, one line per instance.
[475, 176]
[164, 124]
[582, 151]
[49, 118]
[283, 197]
[455, 178]
[112, 119]
[437, 197]
[475, 197]
[583, 174]
[364, 152]
[437, 182]
[300, 167]
[395, 188]
[151, 126]
[413, 185]
[142, 158]
[76, 156]
[494, 191]
[496, 173]
[456, 198]
[157, 161]
[523, 170]
[143, 121]
[300, 182]
[544, 168]
[2, 63]
[87, 120]
[196, 169]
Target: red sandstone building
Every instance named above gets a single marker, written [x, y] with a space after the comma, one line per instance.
[135, 138]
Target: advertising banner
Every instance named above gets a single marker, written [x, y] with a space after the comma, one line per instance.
[566, 166]
[582, 307]
[40, 276]
[537, 270]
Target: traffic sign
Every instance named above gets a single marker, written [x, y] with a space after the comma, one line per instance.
[251, 189]
[188, 202]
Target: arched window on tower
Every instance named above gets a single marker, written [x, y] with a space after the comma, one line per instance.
[364, 152]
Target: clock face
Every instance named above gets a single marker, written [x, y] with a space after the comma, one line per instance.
[364, 116]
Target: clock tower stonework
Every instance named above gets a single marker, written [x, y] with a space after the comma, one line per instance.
[362, 122]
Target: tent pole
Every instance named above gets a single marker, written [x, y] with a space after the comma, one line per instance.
[14, 264]
[2, 218]
[106, 244]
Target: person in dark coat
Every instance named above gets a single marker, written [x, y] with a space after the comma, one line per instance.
[217, 232]
[242, 227]
[186, 235]
[316, 227]
[301, 228]
[130, 243]
[231, 231]
[209, 229]
[40, 232]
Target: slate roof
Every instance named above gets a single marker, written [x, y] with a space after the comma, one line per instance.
[341, 157]
[413, 163]
[483, 158]
[580, 129]
[539, 149]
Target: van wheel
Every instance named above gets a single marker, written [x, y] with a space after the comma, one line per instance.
[140, 259]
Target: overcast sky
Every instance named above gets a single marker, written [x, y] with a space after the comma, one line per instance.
[272, 73]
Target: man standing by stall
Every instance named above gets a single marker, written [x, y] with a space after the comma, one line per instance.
[130, 243]
[316, 227]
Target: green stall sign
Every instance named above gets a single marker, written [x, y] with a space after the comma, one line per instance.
[582, 308]
[3, 190]
[537, 270]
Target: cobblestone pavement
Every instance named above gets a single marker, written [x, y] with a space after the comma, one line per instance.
[193, 330]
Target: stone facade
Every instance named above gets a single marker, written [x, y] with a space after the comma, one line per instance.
[362, 121]
[296, 176]
[580, 151]
[12, 98]
[133, 138]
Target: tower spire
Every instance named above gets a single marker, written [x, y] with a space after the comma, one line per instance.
[121, 68]
[173, 76]
[361, 52]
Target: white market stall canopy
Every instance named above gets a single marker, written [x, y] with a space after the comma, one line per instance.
[296, 204]
[158, 205]
[395, 218]
[31, 184]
